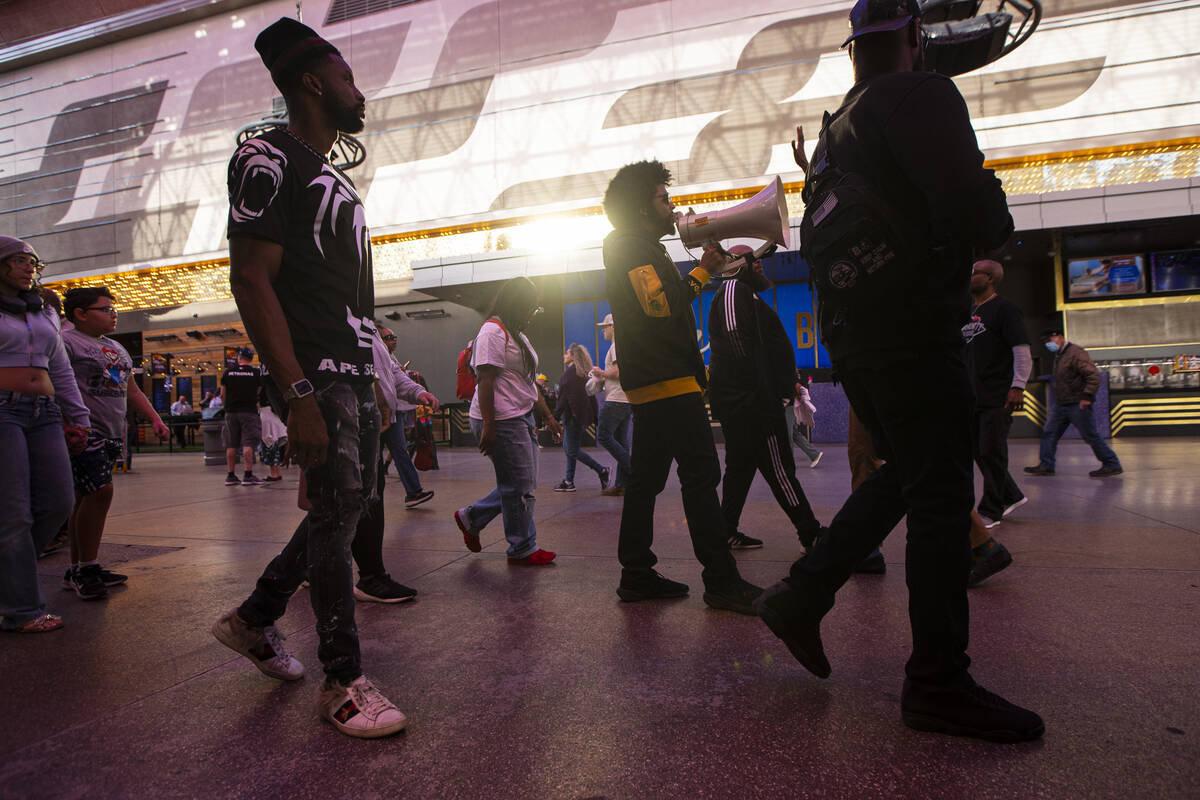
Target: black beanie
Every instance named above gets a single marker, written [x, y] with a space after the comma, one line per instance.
[288, 42]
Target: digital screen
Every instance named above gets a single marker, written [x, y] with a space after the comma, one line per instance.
[1175, 271]
[1108, 277]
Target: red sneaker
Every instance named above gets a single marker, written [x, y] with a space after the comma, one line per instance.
[538, 558]
[470, 535]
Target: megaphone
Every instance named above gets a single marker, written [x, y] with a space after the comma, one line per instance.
[763, 216]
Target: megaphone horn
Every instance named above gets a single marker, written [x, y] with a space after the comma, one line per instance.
[763, 216]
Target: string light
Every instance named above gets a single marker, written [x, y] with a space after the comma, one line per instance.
[394, 254]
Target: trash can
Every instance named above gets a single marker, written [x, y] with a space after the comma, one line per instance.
[214, 448]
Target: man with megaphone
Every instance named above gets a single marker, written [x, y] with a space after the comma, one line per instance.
[663, 374]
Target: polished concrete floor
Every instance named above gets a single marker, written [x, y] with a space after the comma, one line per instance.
[538, 683]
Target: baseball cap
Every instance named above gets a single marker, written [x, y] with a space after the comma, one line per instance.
[1051, 331]
[604, 323]
[246, 352]
[877, 16]
[740, 249]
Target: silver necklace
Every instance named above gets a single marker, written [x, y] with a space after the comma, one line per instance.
[324, 158]
[307, 146]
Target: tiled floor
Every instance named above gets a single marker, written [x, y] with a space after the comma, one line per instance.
[538, 683]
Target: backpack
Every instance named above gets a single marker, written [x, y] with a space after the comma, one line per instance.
[858, 253]
[464, 375]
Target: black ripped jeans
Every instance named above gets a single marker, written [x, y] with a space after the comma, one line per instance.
[340, 491]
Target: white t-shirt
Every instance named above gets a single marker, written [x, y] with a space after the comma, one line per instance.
[515, 391]
[613, 392]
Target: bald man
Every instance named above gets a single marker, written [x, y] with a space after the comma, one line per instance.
[998, 346]
[752, 373]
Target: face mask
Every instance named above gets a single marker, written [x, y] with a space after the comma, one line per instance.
[1052, 347]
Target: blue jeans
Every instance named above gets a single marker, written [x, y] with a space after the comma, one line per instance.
[514, 457]
[1084, 420]
[614, 432]
[397, 445]
[340, 490]
[35, 495]
[572, 437]
[800, 436]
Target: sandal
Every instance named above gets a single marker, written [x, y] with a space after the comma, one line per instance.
[43, 624]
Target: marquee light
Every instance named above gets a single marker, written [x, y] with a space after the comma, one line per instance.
[394, 254]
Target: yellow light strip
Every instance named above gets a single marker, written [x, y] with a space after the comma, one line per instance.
[1149, 401]
[1133, 301]
[1148, 423]
[209, 280]
[1139, 346]
[1093, 153]
[1039, 421]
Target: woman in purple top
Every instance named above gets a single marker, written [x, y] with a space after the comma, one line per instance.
[35, 473]
[577, 410]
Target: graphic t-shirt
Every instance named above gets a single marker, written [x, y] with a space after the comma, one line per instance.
[996, 327]
[282, 191]
[102, 368]
[241, 388]
[515, 392]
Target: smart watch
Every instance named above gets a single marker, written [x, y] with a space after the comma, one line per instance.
[301, 388]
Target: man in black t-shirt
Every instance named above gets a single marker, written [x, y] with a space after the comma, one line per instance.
[998, 346]
[900, 360]
[300, 270]
[243, 428]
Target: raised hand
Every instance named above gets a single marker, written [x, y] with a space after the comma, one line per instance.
[798, 150]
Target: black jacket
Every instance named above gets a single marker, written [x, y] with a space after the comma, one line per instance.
[651, 304]
[752, 367]
[911, 135]
[573, 397]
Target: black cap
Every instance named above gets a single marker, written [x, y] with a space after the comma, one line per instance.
[246, 352]
[287, 42]
[877, 16]
[1051, 331]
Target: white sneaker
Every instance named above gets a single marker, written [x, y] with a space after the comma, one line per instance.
[1014, 507]
[816, 460]
[359, 709]
[988, 522]
[263, 646]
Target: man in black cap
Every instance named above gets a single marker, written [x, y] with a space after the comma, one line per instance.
[752, 372]
[300, 270]
[243, 426]
[899, 356]
[1076, 381]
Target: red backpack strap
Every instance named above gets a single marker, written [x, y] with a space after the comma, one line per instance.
[501, 324]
